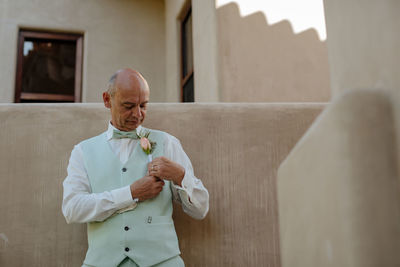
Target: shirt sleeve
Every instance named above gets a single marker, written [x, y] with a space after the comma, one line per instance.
[79, 204]
[192, 195]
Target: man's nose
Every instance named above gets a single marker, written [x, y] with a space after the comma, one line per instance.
[136, 111]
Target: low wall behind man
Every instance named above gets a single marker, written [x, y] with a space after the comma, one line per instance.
[235, 149]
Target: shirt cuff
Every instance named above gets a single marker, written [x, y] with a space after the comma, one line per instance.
[122, 197]
[187, 185]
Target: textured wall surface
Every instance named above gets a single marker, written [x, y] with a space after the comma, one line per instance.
[259, 62]
[173, 74]
[338, 189]
[363, 44]
[363, 47]
[235, 149]
[117, 34]
[205, 55]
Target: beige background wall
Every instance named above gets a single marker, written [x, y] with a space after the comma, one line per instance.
[338, 189]
[173, 9]
[205, 50]
[364, 48]
[241, 228]
[116, 34]
[260, 62]
[243, 59]
[363, 41]
[236, 59]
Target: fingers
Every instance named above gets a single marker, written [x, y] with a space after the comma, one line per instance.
[166, 169]
[147, 187]
[152, 167]
[156, 168]
[159, 181]
[158, 186]
[160, 161]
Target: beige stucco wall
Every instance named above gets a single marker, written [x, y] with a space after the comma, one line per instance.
[363, 42]
[259, 62]
[172, 50]
[116, 34]
[364, 48]
[205, 55]
[338, 189]
[241, 228]
[205, 50]
[244, 59]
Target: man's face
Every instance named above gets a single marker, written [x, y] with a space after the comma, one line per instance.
[128, 105]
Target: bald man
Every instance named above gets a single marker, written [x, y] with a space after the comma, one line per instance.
[124, 195]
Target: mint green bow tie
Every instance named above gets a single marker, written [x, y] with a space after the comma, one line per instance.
[119, 134]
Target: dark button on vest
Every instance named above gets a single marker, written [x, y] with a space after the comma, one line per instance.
[126, 228]
[124, 169]
[126, 249]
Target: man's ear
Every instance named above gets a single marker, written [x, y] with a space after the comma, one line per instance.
[107, 100]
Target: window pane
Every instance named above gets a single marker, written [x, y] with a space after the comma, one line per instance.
[188, 90]
[48, 66]
[187, 45]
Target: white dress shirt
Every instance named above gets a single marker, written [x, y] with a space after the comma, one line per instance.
[80, 205]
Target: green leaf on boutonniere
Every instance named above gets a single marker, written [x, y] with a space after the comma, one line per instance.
[146, 143]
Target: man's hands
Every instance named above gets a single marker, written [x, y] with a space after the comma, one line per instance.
[151, 185]
[146, 188]
[166, 169]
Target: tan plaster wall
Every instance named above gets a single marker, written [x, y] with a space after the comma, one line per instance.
[241, 228]
[338, 189]
[364, 48]
[259, 62]
[116, 34]
[363, 44]
[172, 50]
[205, 48]
[204, 55]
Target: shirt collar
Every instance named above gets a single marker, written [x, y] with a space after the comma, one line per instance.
[111, 129]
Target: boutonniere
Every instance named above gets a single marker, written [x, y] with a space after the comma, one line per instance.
[147, 144]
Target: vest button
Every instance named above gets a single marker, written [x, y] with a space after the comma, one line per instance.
[126, 249]
[126, 228]
[124, 169]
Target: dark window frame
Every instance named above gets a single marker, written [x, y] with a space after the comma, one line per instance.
[48, 35]
[186, 13]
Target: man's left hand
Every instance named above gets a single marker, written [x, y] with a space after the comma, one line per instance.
[166, 169]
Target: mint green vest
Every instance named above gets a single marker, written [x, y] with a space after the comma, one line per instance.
[147, 233]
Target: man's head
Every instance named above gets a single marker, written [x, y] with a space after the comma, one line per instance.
[127, 97]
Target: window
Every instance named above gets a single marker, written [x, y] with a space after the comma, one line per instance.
[49, 67]
[187, 77]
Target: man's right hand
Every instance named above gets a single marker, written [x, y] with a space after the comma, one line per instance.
[146, 188]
